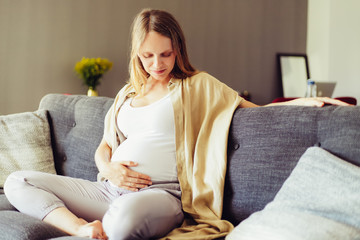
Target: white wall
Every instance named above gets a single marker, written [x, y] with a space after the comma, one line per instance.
[333, 44]
[318, 38]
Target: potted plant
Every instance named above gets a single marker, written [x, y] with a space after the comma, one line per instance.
[91, 70]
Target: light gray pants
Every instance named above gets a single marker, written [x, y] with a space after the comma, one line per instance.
[150, 213]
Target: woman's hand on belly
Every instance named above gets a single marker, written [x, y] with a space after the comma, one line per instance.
[126, 178]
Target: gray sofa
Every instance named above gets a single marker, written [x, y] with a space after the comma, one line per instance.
[264, 146]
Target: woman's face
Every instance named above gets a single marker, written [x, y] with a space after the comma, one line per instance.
[157, 56]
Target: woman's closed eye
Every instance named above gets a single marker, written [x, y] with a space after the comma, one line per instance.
[167, 54]
[147, 55]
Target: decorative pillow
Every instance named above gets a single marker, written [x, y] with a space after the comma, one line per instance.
[319, 200]
[25, 143]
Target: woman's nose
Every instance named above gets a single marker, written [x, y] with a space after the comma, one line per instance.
[157, 61]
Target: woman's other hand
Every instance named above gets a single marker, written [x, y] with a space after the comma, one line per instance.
[315, 102]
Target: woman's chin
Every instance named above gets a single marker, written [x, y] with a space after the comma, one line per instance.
[161, 77]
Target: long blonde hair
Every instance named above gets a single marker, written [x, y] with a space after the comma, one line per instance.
[165, 24]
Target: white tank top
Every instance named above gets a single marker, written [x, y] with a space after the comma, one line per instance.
[150, 139]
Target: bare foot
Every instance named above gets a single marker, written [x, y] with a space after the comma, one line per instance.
[92, 230]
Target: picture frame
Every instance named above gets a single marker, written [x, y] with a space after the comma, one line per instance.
[294, 73]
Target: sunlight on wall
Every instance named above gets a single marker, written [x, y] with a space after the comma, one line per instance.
[333, 44]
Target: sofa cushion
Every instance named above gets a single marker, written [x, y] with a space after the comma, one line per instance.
[266, 143]
[4, 203]
[320, 200]
[76, 123]
[25, 143]
[18, 226]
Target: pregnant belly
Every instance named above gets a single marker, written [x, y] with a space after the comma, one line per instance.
[155, 158]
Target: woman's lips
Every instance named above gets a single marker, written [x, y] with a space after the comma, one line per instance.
[159, 71]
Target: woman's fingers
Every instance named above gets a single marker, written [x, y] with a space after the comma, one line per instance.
[317, 102]
[133, 173]
[133, 185]
[136, 182]
[334, 101]
[128, 163]
[127, 178]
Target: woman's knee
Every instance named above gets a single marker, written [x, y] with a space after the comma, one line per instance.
[14, 182]
[14, 186]
[142, 215]
[17, 186]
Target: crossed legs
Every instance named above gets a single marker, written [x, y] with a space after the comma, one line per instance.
[77, 206]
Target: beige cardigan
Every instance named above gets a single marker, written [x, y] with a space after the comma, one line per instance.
[203, 110]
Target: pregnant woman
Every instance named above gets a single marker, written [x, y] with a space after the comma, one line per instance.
[163, 152]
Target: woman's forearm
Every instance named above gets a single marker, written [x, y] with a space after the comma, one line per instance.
[311, 102]
[103, 158]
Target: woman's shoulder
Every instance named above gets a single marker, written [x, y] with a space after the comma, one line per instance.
[202, 78]
[201, 75]
[203, 81]
[125, 90]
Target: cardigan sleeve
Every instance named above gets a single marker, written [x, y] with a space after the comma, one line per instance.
[204, 111]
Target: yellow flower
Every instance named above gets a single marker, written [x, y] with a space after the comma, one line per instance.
[92, 69]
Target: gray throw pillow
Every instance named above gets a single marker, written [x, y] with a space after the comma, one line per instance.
[319, 200]
[25, 143]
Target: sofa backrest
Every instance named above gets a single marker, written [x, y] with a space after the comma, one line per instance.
[77, 126]
[265, 144]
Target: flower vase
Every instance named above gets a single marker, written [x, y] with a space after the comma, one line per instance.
[92, 92]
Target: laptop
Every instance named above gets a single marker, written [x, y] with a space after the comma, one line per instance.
[325, 89]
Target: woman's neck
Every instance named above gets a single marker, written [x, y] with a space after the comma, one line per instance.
[154, 90]
[154, 84]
